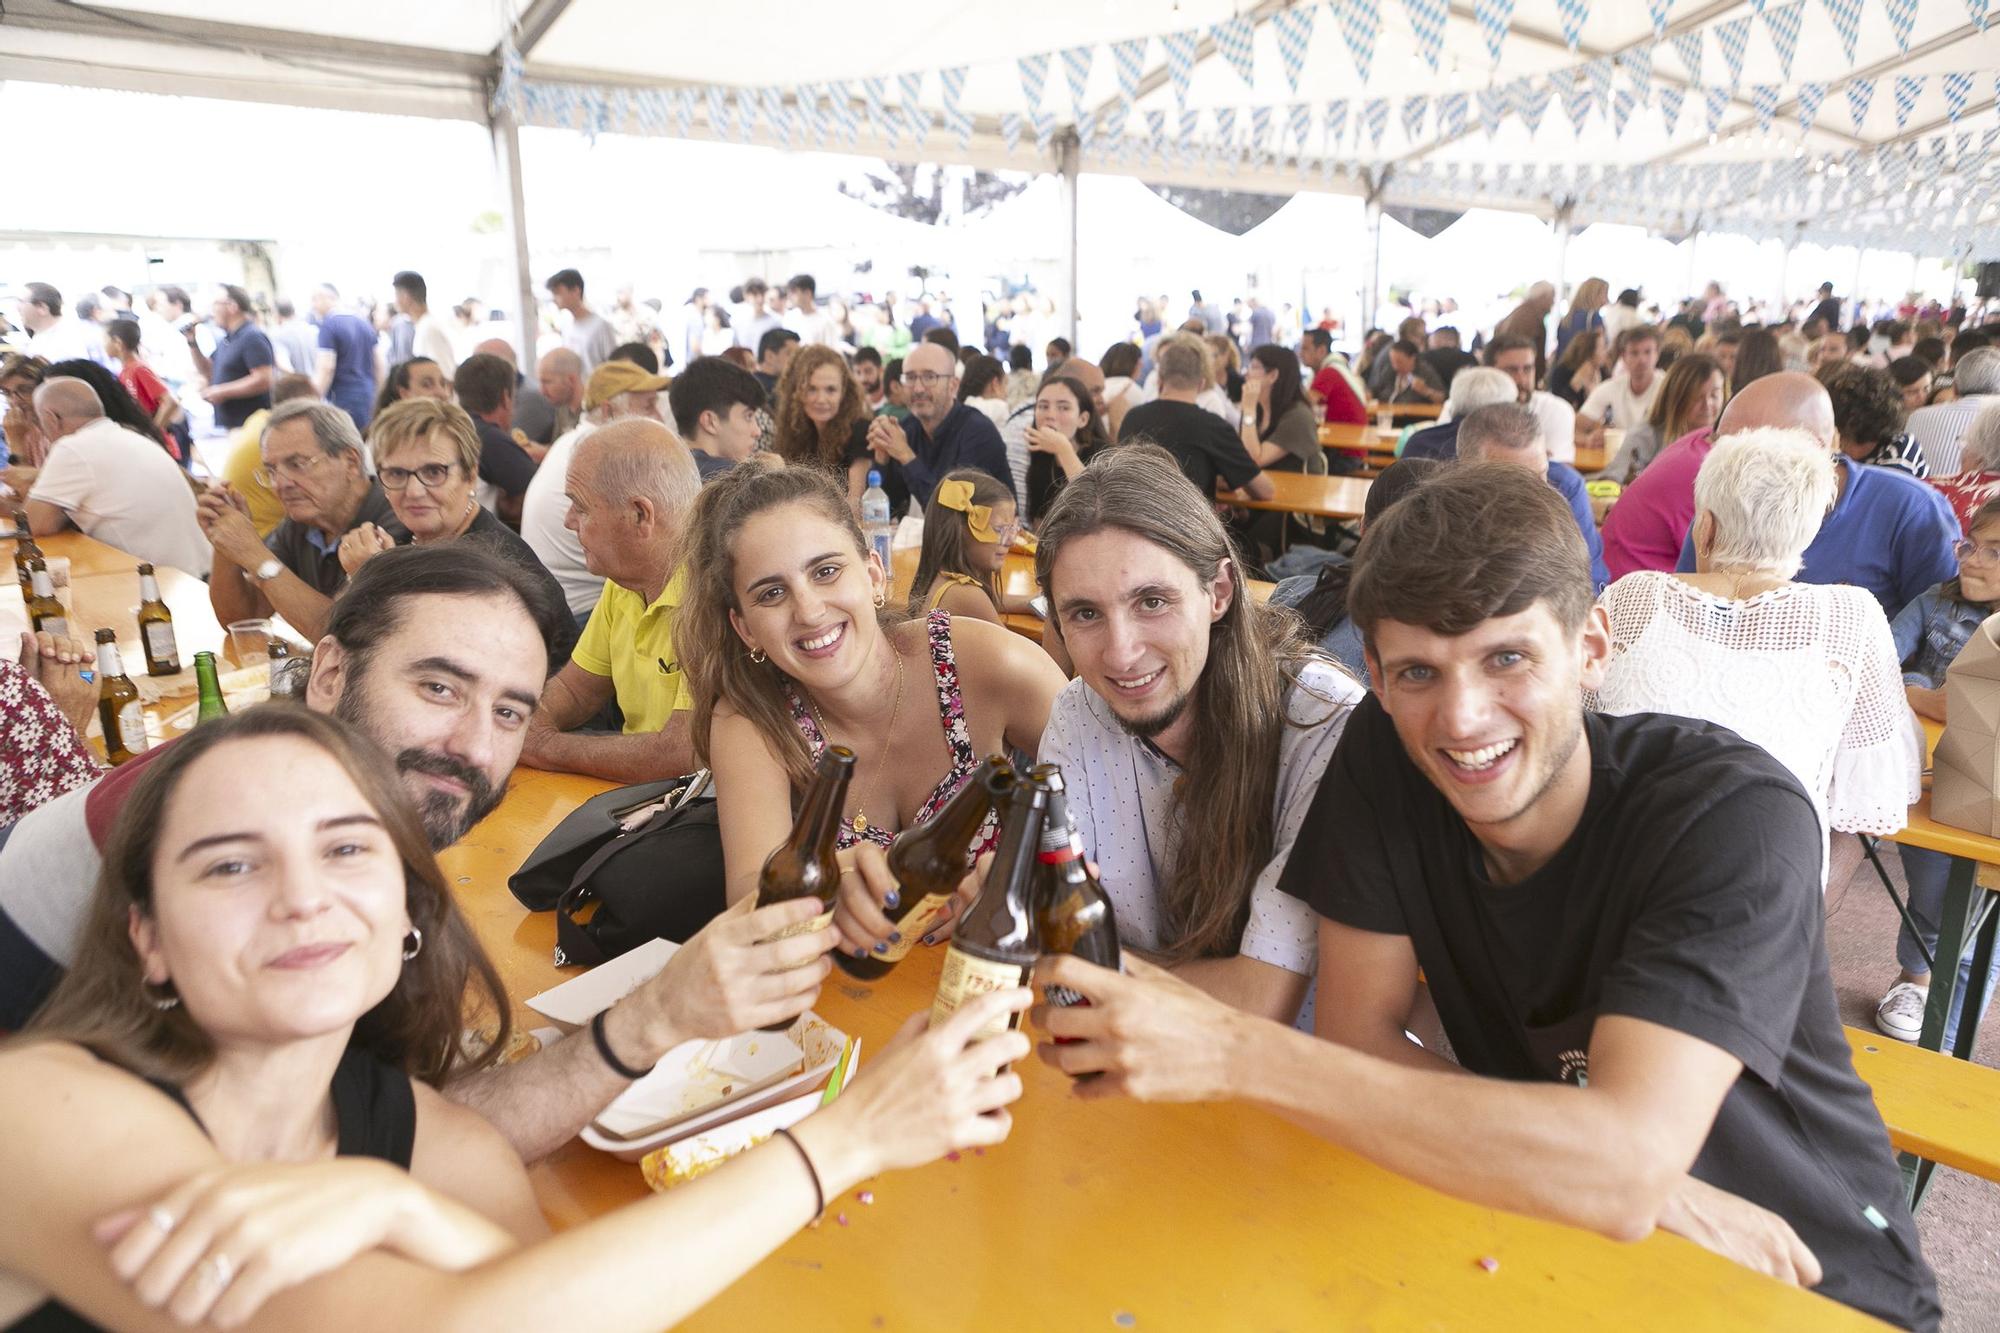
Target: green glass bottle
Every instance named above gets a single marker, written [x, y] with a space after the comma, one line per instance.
[212, 705]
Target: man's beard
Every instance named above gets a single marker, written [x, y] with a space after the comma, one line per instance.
[445, 817]
[1146, 728]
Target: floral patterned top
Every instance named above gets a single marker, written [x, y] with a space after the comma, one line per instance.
[951, 712]
[41, 756]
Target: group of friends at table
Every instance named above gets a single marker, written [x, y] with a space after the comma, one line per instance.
[243, 1088]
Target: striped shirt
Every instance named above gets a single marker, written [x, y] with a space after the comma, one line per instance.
[1939, 430]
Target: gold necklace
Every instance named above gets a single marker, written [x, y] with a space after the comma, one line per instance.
[860, 821]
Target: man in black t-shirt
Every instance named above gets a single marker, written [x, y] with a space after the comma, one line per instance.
[1200, 441]
[1619, 920]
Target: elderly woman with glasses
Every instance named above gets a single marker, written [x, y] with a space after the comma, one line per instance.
[1808, 671]
[427, 463]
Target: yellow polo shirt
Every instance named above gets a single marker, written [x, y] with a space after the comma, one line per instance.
[633, 643]
[266, 511]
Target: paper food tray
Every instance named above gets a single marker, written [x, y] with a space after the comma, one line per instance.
[578, 1000]
[697, 1077]
[820, 1044]
[683, 1160]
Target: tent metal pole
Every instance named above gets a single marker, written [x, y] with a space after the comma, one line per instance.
[1564, 214]
[507, 158]
[1372, 209]
[1066, 163]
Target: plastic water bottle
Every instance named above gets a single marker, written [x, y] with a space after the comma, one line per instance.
[877, 523]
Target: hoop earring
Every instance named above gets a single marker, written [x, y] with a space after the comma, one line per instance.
[162, 997]
[413, 944]
[881, 599]
[757, 654]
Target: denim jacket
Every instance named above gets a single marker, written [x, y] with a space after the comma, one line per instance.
[1929, 632]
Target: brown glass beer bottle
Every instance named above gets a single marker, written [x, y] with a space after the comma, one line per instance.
[803, 865]
[996, 944]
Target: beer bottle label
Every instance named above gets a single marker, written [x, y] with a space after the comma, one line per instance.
[160, 644]
[966, 979]
[820, 922]
[921, 918]
[56, 625]
[132, 726]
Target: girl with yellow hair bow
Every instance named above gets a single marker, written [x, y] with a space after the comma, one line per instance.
[969, 526]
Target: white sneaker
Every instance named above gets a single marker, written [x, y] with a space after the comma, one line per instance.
[1901, 1013]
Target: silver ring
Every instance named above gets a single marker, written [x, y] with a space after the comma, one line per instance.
[218, 1269]
[162, 1220]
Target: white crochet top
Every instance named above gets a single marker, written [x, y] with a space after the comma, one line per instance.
[1807, 671]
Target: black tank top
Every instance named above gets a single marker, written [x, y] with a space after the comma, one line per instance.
[374, 1115]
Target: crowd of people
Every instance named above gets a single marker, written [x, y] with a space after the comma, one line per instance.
[1560, 797]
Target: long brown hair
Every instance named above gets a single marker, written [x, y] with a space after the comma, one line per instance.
[948, 539]
[717, 666]
[798, 439]
[1223, 805]
[102, 1004]
[1686, 381]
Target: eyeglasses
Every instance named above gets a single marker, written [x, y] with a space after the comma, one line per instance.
[923, 379]
[398, 478]
[295, 467]
[1970, 553]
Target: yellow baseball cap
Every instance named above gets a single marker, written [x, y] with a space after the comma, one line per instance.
[616, 377]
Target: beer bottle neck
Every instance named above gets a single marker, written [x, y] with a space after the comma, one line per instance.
[149, 588]
[109, 662]
[44, 585]
[819, 817]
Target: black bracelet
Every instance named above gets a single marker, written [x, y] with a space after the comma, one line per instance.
[819, 1191]
[618, 1067]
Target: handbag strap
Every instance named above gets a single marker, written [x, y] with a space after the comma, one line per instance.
[574, 946]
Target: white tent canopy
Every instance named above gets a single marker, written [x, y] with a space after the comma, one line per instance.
[1868, 122]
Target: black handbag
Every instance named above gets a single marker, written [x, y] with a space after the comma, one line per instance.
[628, 866]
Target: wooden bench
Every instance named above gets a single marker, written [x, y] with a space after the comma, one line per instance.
[1939, 1109]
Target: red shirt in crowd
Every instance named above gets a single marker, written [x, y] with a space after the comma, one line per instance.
[1343, 406]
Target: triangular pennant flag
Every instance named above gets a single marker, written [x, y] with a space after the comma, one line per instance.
[1764, 101]
[1375, 118]
[1010, 131]
[1670, 107]
[873, 91]
[1600, 73]
[1427, 26]
[1977, 8]
[1179, 47]
[1902, 18]
[1190, 133]
[1658, 9]
[1532, 101]
[951, 85]
[1860, 92]
[1575, 95]
[1232, 42]
[1957, 89]
[718, 112]
[1300, 117]
[1846, 17]
[1360, 24]
[1225, 125]
[1638, 66]
[1908, 88]
[1156, 133]
[1076, 72]
[1811, 95]
[1451, 110]
[1336, 124]
[911, 86]
[1783, 25]
[1260, 132]
[1687, 45]
[1493, 16]
[746, 114]
[960, 122]
[1492, 109]
[1414, 107]
[1718, 102]
[1621, 109]
[683, 111]
[1129, 60]
[776, 117]
[1572, 14]
[1045, 129]
[1733, 38]
[1034, 73]
[1294, 27]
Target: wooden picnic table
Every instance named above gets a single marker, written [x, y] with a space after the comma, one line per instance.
[1377, 449]
[104, 594]
[1314, 496]
[1430, 410]
[1017, 582]
[1180, 1217]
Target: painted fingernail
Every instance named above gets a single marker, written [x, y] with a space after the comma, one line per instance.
[892, 900]
[895, 937]
[929, 940]
[882, 948]
[861, 953]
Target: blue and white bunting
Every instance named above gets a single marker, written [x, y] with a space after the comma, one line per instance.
[1687, 45]
[682, 110]
[1232, 43]
[1977, 8]
[1493, 103]
[1658, 11]
[1451, 109]
[1415, 106]
[1360, 25]
[1782, 22]
[775, 118]
[1190, 133]
[1427, 26]
[951, 85]
[746, 114]
[1846, 18]
[1010, 131]
[1076, 72]
[911, 88]
[1638, 66]
[1717, 102]
[1957, 90]
[1671, 99]
[1599, 71]
[1811, 96]
[1902, 18]
[1045, 129]
[1860, 92]
[1260, 133]
[1179, 48]
[1764, 101]
[1294, 27]
[1156, 134]
[1375, 119]
[1572, 15]
[1531, 100]
[1300, 118]
[959, 121]
[1128, 59]
[718, 112]
[1622, 102]
[1908, 88]
[1733, 38]
[1574, 94]
[874, 91]
[918, 121]
[1493, 16]
[1336, 126]
[1034, 75]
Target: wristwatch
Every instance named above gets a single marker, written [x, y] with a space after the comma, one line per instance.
[269, 570]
